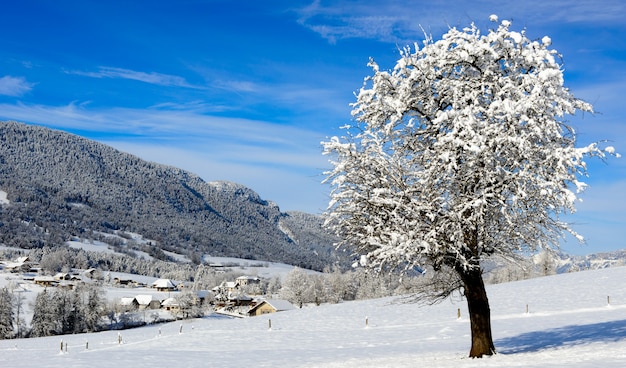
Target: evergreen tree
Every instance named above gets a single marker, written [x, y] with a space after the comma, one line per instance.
[77, 312]
[61, 303]
[44, 322]
[6, 314]
[94, 309]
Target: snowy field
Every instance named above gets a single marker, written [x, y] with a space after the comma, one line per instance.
[569, 323]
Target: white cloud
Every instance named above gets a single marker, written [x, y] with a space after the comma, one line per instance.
[151, 78]
[155, 123]
[14, 86]
[401, 20]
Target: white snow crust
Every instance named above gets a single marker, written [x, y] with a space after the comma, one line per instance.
[569, 323]
[3, 197]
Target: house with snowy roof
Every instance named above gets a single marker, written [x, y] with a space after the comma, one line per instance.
[45, 281]
[146, 301]
[21, 264]
[128, 304]
[246, 280]
[164, 285]
[171, 305]
[62, 276]
[270, 306]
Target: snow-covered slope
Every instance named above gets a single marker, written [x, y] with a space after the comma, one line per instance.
[569, 323]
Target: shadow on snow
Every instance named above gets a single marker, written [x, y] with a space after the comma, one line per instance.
[565, 336]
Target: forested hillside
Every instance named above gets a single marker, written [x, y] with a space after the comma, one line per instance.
[61, 186]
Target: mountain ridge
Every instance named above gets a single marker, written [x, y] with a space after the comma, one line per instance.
[60, 185]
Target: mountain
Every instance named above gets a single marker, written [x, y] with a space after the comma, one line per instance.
[596, 261]
[60, 186]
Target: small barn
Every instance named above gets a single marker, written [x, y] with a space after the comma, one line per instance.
[270, 306]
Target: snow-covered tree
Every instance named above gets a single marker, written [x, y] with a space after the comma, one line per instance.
[45, 321]
[7, 302]
[459, 153]
[274, 286]
[94, 308]
[189, 303]
[296, 287]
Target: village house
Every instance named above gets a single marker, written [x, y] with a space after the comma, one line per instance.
[128, 304]
[247, 280]
[93, 274]
[226, 290]
[62, 276]
[217, 267]
[205, 296]
[164, 285]
[171, 305]
[21, 264]
[123, 282]
[146, 301]
[270, 306]
[45, 281]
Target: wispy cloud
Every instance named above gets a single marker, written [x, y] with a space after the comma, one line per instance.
[151, 77]
[344, 20]
[14, 86]
[402, 20]
[175, 126]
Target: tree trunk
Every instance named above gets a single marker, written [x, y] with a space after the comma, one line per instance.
[479, 312]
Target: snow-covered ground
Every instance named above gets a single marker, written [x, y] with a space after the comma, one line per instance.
[3, 197]
[262, 269]
[569, 324]
[94, 246]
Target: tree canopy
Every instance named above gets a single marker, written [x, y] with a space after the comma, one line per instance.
[461, 152]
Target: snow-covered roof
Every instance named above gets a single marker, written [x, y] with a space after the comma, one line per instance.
[144, 299]
[279, 304]
[164, 284]
[126, 300]
[204, 293]
[248, 277]
[171, 302]
[45, 279]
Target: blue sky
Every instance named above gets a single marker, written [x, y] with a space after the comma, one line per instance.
[245, 91]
